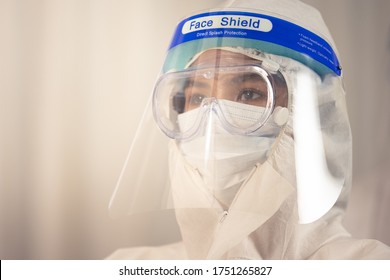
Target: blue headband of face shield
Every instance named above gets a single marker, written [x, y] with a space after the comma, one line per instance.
[252, 31]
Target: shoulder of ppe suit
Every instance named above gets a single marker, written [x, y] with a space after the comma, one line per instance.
[174, 251]
[353, 249]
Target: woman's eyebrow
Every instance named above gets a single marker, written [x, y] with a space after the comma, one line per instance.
[246, 77]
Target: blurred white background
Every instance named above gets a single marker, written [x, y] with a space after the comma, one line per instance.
[75, 76]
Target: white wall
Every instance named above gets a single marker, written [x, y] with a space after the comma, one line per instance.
[74, 78]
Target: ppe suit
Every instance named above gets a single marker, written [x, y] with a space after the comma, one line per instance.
[247, 138]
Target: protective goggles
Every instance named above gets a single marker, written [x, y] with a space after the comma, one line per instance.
[243, 98]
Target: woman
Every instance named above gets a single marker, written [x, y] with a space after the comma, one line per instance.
[247, 138]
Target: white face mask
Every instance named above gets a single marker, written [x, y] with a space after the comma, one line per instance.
[225, 160]
[225, 155]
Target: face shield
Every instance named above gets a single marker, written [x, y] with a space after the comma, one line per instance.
[247, 113]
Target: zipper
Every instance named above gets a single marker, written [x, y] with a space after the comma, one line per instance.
[224, 215]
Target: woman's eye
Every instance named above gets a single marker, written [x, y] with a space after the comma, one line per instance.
[196, 99]
[248, 95]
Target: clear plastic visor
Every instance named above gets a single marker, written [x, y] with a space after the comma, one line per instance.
[243, 136]
[243, 97]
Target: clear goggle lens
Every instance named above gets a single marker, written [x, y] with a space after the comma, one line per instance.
[241, 96]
